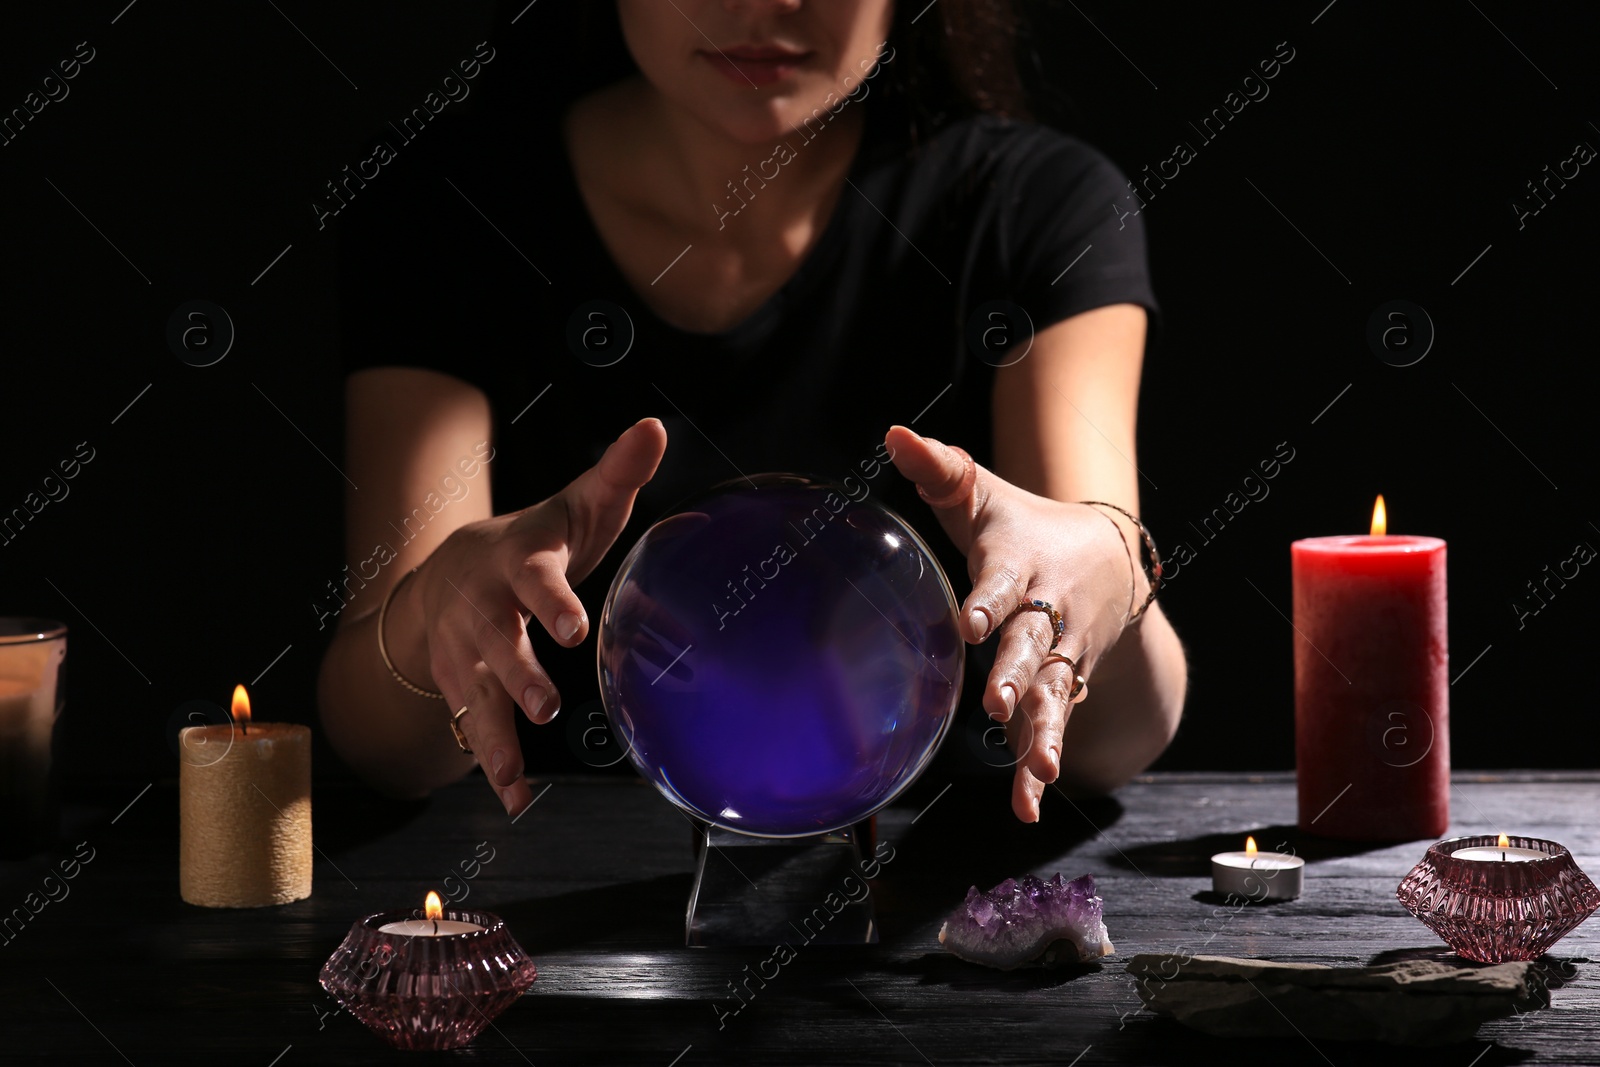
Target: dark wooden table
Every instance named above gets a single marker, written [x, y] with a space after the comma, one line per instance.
[593, 879]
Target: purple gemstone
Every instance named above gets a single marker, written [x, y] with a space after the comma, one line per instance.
[780, 660]
[1027, 921]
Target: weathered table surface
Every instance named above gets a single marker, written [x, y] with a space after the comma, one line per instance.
[593, 879]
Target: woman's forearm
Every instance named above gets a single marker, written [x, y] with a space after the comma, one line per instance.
[1131, 712]
[395, 740]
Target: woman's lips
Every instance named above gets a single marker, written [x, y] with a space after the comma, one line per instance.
[758, 67]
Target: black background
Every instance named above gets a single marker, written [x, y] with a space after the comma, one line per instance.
[190, 549]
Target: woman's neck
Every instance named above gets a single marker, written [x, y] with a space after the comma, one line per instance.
[705, 180]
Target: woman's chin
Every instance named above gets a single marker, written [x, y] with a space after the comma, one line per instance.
[766, 123]
[751, 132]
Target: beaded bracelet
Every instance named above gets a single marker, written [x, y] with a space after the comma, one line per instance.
[1154, 572]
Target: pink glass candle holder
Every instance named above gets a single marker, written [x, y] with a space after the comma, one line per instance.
[1491, 910]
[427, 992]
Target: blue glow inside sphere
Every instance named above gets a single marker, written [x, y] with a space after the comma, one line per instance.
[779, 659]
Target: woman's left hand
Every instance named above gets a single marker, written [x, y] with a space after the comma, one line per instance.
[1020, 547]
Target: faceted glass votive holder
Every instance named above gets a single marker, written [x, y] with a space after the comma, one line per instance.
[1493, 912]
[427, 992]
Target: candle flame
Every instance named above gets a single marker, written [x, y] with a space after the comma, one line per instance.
[1249, 846]
[1380, 518]
[1505, 842]
[434, 907]
[241, 705]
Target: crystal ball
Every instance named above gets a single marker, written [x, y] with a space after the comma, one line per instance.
[779, 656]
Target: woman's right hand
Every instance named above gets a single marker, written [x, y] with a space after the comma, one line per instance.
[478, 589]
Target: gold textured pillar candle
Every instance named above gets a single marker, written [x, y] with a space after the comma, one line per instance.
[244, 800]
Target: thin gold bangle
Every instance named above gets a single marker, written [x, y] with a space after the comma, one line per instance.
[1154, 572]
[1133, 568]
[383, 649]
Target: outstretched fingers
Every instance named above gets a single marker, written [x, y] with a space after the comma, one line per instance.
[999, 585]
[1026, 795]
[1042, 722]
[489, 722]
[600, 499]
[945, 476]
[500, 639]
[540, 584]
[1000, 581]
[1023, 644]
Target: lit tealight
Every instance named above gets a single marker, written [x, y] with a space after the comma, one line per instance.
[434, 925]
[1257, 876]
[1501, 852]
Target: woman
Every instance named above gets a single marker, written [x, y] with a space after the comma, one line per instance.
[793, 230]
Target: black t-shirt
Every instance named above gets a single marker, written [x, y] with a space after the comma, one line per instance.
[477, 257]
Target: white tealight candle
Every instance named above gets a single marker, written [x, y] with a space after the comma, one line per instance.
[1501, 852]
[1257, 875]
[429, 928]
[435, 925]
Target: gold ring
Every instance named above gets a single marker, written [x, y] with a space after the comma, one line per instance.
[1080, 684]
[455, 728]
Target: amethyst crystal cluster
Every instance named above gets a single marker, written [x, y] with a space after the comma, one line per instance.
[1029, 921]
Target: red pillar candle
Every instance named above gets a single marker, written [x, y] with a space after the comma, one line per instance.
[1371, 686]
